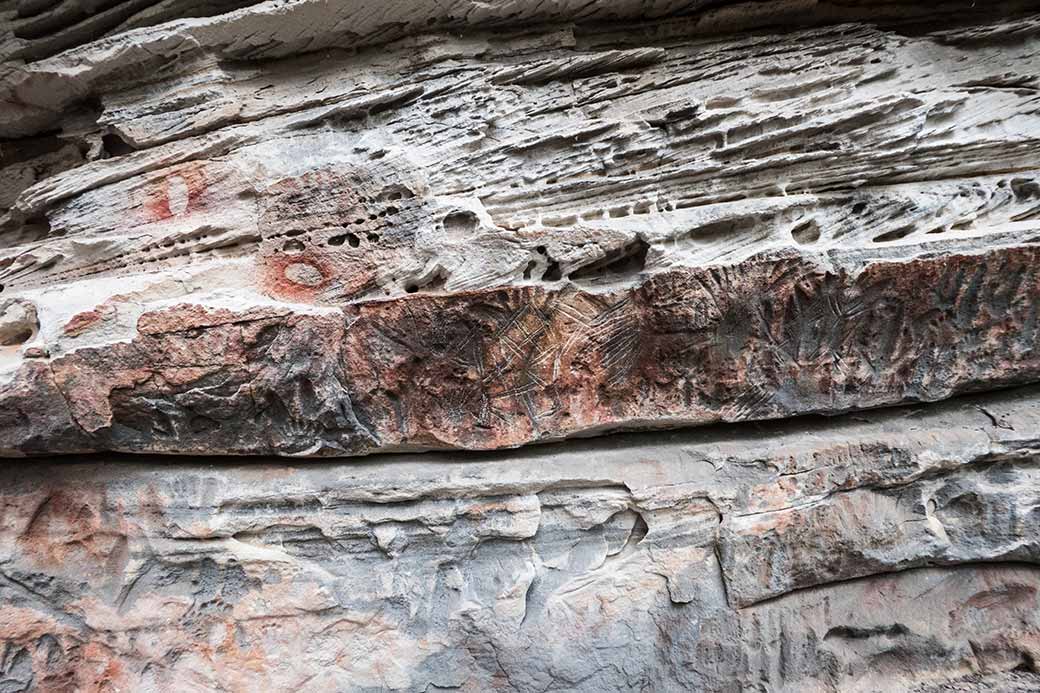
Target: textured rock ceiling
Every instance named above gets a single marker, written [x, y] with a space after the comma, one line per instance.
[511, 235]
[331, 228]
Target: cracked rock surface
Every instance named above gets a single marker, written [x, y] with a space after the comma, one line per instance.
[786, 253]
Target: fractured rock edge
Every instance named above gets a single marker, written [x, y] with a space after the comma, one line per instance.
[505, 367]
[677, 561]
[50, 65]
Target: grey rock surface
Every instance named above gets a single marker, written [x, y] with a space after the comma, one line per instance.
[880, 552]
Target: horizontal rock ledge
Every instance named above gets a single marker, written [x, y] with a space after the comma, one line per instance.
[56, 58]
[490, 240]
[766, 338]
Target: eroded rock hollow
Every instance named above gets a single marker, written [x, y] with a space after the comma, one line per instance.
[533, 345]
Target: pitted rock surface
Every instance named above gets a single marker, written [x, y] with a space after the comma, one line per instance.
[526, 345]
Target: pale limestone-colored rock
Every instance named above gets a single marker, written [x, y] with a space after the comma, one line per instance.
[501, 237]
[18, 323]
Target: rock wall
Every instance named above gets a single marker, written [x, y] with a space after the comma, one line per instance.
[867, 553]
[690, 249]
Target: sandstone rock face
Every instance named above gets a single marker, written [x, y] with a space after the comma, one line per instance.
[315, 229]
[514, 234]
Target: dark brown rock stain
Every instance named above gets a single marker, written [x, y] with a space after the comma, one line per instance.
[501, 367]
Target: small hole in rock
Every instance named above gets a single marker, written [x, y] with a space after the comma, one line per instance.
[1028, 664]
[529, 269]
[433, 282]
[349, 238]
[626, 261]
[1025, 188]
[859, 207]
[806, 232]
[552, 273]
[18, 323]
[15, 338]
[396, 192]
[39, 226]
[460, 223]
[293, 247]
[895, 234]
[114, 145]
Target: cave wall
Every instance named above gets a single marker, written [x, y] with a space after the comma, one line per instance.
[521, 345]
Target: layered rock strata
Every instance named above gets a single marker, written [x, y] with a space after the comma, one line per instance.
[805, 233]
[517, 234]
